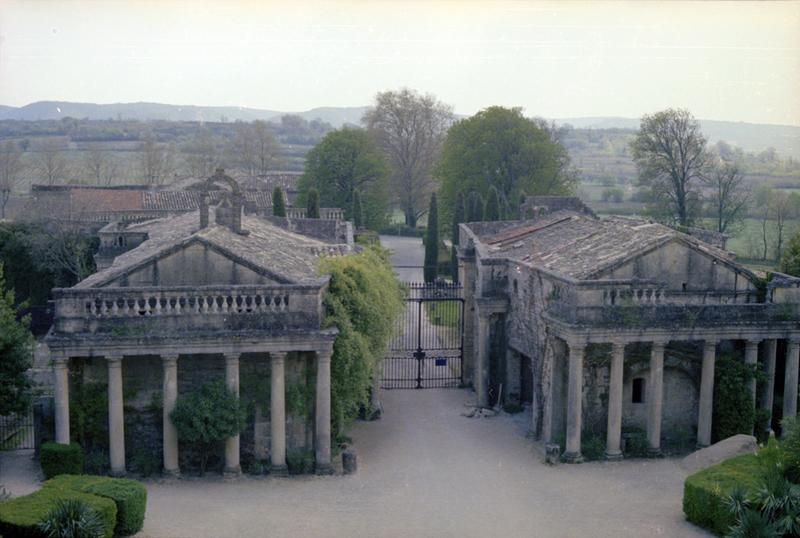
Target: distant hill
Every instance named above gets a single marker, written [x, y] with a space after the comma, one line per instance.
[753, 137]
[54, 110]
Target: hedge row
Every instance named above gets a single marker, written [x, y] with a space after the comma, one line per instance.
[129, 496]
[704, 492]
[20, 516]
[57, 459]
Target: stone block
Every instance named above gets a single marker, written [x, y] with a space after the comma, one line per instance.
[727, 448]
[552, 453]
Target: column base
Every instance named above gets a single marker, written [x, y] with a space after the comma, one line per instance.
[655, 452]
[613, 456]
[118, 473]
[171, 473]
[572, 457]
[699, 446]
[323, 469]
[232, 472]
[279, 470]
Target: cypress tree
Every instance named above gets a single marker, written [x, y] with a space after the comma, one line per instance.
[474, 207]
[358, 211]
[492, 210]
[312, 207]
[432, 242]
[278, 202]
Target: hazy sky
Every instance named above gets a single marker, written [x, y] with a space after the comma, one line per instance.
[730, 61]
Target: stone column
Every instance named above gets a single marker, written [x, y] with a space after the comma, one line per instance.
[61, 393]
[278, 414]
[751, 359]
[655, 398]
[480, 378]
[116, 418]
[770, 352]
[574, 402]
[614, 428]
[706, 394]
[323, 414]
[232, 466]
[790, 383]
[170, 396]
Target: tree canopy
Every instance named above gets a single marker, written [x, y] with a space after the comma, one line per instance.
[499, 147]
[431, 262]
[15, 354]
[278, 202]
[312, 204]
[346, 161]
[790, 261]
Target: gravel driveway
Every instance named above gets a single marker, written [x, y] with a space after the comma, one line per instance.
[425, 470]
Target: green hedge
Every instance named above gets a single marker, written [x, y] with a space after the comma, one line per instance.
[704, 492]
[130, 497]
[19, 516]
[59, 459]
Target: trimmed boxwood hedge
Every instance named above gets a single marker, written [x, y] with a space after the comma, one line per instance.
[20, 515]
[59, 459]
[130, 497]
[704, 492]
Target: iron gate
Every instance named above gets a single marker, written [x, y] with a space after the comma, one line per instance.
[428, 348]
[16, 431]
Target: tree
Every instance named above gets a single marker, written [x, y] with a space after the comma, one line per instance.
[474, 207]
[156, 161]
[278, 202]
[99, 165]
[729, 198]
[254, 148]
[202, 156]
[11, 168]
[499, 147]
[458, 217]
[358, 211]
[431, 263]
[790, 261]
[50, 163]
[786, 208]
[409, 128]
[346, 161]
[312, 204]
[670, 154]
[492, 208]
[16, 352]
[207, 417]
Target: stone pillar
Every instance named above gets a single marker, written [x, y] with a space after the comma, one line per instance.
[232, 466]
[706, 394]
[116, 417]
[61, 393]
[614, 428]
[323, 415]
[751, 359]
[655, 398]
[278, 414]
[481, 374]
[574, 402]
[170, 396]
[790, 383]
[770, 352]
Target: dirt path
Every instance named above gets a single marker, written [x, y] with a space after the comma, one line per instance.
[424, 470]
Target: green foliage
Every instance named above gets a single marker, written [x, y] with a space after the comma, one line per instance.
[502, 148]
[344, 163]
[20, 516]
[636, 445]
[16, 351]
[733, 408]
[71, 518]
[363, 301]
[790, 443]
[790, 261]
[278, 202]
[207, 417]
[491, 211]
[358, 211]
[474, 207]
[459, 214]
[88, 413]
[129, 496]
[59, 459]
[31, 282]
[300, 396]
[300, 461]
[312, 204]
[432, 241]
[146, 462]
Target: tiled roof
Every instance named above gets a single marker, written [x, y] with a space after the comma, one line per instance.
[91, 200]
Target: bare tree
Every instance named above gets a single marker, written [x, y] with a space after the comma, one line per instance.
[670, 154]
[64, 248]
[99, 165]
[156, 161]
[785, 209]
[11, 168]
[729, 199]
[50, 162]
[202, 157]
[409, 128]
[775, 211]
[254, 148]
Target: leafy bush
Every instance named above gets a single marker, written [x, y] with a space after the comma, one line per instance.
[300, 461]
[71, 518]
[59, 459]
[733, 408]
[20, 516]
[129, 496]
[146, 462]
[593, 447]
[790, 443]
[636, 445]
[207, 417]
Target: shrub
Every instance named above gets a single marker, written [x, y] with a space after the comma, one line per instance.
[59, 459]
[636, 445]
[300, 461]
[71, 518]
[129, 496]
[20, 516]
[733, 408]
[705, 492]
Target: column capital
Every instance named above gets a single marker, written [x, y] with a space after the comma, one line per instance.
[60, 362]
[232, 357]
[752, 342]
[794, 340]
[617, 345]
[710, 342]
[324, 354]
[169, 360]
[278, 356]
[576, 344]
[659, 343]
[114, 361]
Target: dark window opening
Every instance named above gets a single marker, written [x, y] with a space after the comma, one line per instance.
[637, 394]
[684, 286]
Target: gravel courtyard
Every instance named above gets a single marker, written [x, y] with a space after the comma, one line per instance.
[425, 470]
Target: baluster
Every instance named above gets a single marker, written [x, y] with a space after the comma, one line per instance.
[115, 308]
[178, 304]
